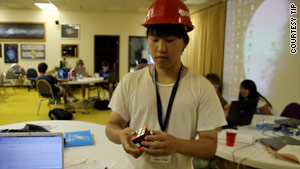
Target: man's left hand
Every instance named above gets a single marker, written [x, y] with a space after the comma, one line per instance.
[160, 144]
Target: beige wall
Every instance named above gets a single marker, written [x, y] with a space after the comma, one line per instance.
[91, 23]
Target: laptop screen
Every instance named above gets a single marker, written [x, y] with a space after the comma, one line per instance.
[63, 73]
[80, 70]
[31, 151]
[241, 112]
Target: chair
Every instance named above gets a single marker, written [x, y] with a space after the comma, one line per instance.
[292, 110]
[4, 83]
[45, 91]
[32, 75]
[15, 72]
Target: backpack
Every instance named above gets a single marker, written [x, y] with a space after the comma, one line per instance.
[101, 104]
[60, 114]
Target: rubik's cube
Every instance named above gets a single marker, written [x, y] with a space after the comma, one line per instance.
[139, 136]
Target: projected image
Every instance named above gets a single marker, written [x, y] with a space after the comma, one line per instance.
[264, 42]
[254, 40]
[257, 47]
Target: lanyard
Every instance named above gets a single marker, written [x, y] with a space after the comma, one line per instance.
[163, 125]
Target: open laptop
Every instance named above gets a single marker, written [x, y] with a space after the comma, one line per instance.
[36, 150]
[241, 112]
[276, 143]
[63, 73]
[80, 70]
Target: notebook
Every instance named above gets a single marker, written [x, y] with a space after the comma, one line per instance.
[277, 143]
[31, 150]
[80, 70]
[241, 112]
[63, 73]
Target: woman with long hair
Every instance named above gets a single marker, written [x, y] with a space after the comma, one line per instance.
[248, 91]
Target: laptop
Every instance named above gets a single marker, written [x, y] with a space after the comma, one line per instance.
[290, 122]
[276, 143]
[63, 73]
[241, 112]
[80, 70]
[36, 150]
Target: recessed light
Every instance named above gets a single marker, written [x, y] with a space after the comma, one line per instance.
[46, 6]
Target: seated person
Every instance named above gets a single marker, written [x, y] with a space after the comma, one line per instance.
[79, 63]
[107, 75]
[248, 91]
[142, 63]
[215, 80]
[57, 90]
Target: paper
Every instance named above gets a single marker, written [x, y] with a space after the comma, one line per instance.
[291, 152]
[93, 163]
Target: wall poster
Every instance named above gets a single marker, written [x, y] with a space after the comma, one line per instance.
[22, 31]
[11, 53]
[32, 51]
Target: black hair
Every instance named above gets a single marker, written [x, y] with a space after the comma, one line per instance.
[163, 30]
[253, 93]
[143, 61]
[42, 67]
[105, 63]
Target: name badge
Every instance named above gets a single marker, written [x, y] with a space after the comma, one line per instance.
[162, 159]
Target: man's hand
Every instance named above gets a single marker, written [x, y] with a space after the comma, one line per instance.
[160, 144]
[128, 146]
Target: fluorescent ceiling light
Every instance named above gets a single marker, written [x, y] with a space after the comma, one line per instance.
[46, 6]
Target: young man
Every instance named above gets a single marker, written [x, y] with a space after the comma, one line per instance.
[57, 90]
[175, 102]
[108, 77]
[142, 63]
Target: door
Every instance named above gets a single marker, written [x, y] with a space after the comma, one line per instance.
[107, 49]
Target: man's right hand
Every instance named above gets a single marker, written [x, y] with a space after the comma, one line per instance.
[128, 146]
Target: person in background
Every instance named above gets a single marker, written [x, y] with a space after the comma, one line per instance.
[107, 75]
[176, 103]
[57, 90]
[216, 81]
[142, 63]
[80, 63]
[248, 91]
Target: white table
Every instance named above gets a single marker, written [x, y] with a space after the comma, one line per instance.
[256, 155]
[102, 149]
[85, 80]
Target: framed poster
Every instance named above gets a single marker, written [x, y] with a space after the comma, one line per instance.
[70, 30]
[11, 53]
[22, 31]
[32, 51]
[0, 50]
[69, 50]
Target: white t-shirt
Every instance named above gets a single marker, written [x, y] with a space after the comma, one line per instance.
[196, 107]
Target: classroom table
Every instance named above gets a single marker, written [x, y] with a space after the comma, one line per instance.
[255, 155]
[103, 149]
[85, 81]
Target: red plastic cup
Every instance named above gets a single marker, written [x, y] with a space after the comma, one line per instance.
[230, 137]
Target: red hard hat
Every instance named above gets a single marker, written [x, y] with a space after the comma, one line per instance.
[168, 12]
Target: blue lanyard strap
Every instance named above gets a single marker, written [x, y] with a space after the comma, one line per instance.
[163, 125]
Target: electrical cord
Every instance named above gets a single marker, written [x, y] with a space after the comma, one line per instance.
[233, 158]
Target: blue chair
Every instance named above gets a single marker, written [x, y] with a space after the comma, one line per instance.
[32, 76]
